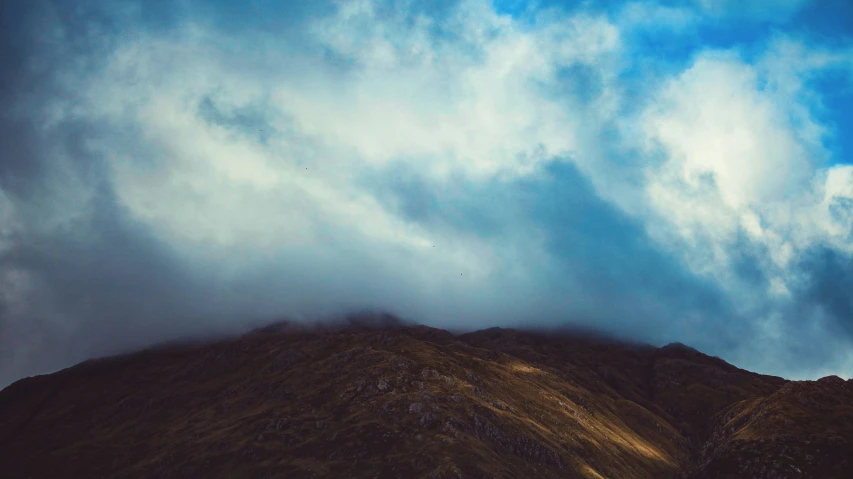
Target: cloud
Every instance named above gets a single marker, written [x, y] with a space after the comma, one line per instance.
[777, 11]
[745, 175]
[654, 16]
[744, 153]
[184, 177]
[171, 171]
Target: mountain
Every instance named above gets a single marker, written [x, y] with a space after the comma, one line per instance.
[378, 398]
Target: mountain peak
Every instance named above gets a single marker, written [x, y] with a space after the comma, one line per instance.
[373, 396]
[679, 347]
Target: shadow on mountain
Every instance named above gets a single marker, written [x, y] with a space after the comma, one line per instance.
[369, 395]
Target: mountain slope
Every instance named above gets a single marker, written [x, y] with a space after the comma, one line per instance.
[390, 400]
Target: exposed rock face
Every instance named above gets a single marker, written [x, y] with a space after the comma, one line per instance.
[380, 399]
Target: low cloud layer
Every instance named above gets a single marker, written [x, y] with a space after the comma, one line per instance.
[172, 169]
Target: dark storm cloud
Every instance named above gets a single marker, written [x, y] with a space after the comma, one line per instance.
[39, 39]
[127, 287]
[102, 284]
[826, 282]
[38, 36]
[638, 289]
[598, 255]
[608, 250]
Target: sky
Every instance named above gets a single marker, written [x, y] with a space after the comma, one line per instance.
[663, 171]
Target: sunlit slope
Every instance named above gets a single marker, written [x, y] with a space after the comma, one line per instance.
[383, 400]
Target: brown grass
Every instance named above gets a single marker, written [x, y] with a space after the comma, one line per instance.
[396, 402]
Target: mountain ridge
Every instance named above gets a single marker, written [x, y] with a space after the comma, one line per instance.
[372, 396]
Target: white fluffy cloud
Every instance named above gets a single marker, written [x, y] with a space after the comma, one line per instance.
[491, 105]
[485, 102]
[744, 160]
[743, 153]
[730, 153]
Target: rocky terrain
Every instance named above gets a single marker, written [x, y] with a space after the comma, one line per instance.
[381, 399]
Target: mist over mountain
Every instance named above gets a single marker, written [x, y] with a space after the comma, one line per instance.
[657, 171]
